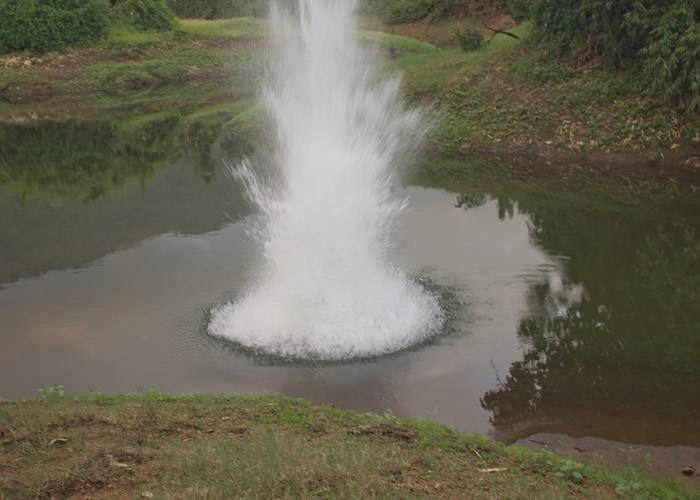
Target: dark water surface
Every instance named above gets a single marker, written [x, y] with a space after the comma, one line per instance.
[580, 290]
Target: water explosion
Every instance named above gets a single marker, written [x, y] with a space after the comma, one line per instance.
[328, 289]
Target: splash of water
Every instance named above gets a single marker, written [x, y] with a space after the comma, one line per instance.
[328, 289]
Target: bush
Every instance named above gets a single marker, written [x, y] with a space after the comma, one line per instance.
[406, 11]
[660, 36]
[398, 11]
[218, 9]
[144, 14]
[672, 55]
[519, 9]
[470, 40]
[441, 9]
[44, 25]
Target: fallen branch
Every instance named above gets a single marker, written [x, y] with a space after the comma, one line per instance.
[496, 32]
[497, 469]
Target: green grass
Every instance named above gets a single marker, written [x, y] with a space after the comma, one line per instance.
[224, 29]
[125, 40]
[430, 73]
[183, 65]
[396, 45]
[272, 447]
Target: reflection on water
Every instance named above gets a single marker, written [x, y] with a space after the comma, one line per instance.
[580, 303]
[626, 346]
[86, 161]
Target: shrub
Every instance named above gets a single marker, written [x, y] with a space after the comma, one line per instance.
[470, 40]
[406, 11]
[144, 14]
[218, 9]
[519, 9]
[660, 36]
[441, 9]
[43, 25]
[398, 11]
[672, 55]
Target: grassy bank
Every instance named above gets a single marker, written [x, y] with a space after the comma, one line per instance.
[157, 446]
[507, 97]
[199, 62]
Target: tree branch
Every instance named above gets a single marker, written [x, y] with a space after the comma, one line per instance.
[496, 32]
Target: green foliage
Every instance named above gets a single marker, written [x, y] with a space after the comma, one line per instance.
[44, 25]
[218, 9]
[573, 471]
[441, 9]
[672, 55]
[399, 11]
[519, 9]
[661, 37]
[144, 14]
[470, 40]
[407, 11]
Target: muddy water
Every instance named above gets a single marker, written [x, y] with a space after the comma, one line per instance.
[574, 294]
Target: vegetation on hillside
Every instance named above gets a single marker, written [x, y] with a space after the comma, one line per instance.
[270, 447]
[509, 97]
[218, 9]
[407, 11]
[661, 39]
[51, 24]
[45, 25]
[531, 95]
[143, 14]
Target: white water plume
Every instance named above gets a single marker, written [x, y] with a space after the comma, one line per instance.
[328, 289]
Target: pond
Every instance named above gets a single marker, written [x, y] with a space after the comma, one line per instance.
[575, 291]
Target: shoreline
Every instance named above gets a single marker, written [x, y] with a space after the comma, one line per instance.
[158, 444]
[501, 100]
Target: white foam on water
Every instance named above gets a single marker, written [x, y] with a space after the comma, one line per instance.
[328, 289]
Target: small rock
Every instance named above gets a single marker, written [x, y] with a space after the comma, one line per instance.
[27, 63]
[689, 471]
[147, 494]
